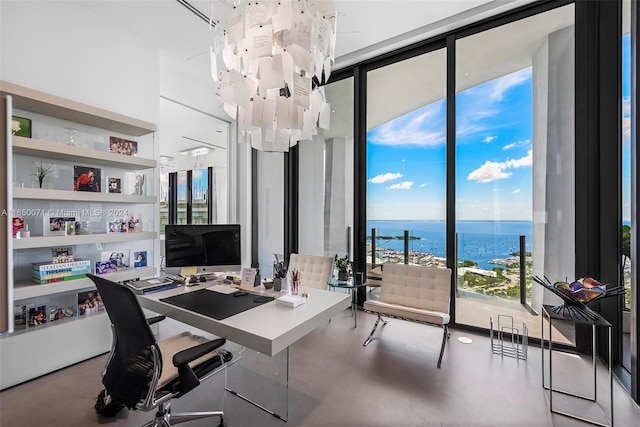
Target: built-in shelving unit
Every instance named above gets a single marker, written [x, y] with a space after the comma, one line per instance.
[80, 337]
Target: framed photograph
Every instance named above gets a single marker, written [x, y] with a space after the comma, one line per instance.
[18, 224]
[117, 226]
[120, 257]
[134, 183]
[104, 267]
[114, 185]
[37, 315]
[21, 126]
[89, 303]
[134, 223]
[86, 178]
[123, 146]
[59, 255]
[70, 228]
[55, 225]
[20, 312]
[140, 259]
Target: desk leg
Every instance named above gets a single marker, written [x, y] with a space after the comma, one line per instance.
[260, 380]
[354, 309]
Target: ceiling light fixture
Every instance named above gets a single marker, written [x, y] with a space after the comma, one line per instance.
[277, 54]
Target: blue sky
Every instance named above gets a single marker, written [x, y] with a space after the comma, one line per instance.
[406, 156]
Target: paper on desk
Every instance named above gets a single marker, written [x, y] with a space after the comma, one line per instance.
[222, 289]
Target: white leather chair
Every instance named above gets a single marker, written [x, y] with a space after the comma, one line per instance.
[315, 270]
[415, 293]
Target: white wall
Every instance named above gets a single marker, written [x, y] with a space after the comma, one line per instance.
[65, 50]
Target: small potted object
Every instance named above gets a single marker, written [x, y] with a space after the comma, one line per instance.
[343, 265]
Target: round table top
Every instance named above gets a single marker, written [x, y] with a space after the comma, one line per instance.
[350, 283]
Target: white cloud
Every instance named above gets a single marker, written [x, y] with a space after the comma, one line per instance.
[516, 191]
[402, 186]
[518, 144]
[488, 172]
[505, 83]
[424, 127]
[424, 184]
[488, 139]
[521, 162]
[492, 171]
[379, 179]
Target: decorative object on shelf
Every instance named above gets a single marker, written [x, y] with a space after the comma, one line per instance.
[20, 126]
[117, 226]
[55, 225]
[43, 273]
[37, 315]
[83, 227]
[278, 55]
[86, 179]
[123, 146]
[577, 294]
[343, 265]
[41, 172]
[71, 132]
[140, 259]
[115, 185]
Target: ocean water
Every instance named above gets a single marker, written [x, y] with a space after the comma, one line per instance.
[479, 241]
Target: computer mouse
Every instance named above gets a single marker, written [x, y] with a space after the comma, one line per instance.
[240, 294]
[202, 279]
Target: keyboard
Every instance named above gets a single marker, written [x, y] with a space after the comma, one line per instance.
[149, 285]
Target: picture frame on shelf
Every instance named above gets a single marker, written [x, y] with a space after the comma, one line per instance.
[37, 315]
[114, 185]
[134, 183]
[18, 224]
[59, 255]
[140, 259]
[55, 225]
[21, 126]
[104, 267]
[123, 146]
[86, 178]
[70, 228]
[89, 302]
[117, 226]
[121, 257]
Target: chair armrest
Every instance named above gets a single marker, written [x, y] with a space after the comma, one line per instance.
[188, 355]
[155, 319]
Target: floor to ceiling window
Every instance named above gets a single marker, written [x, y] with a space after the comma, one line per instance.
[406, 161]
[514, 167]
[626, 182]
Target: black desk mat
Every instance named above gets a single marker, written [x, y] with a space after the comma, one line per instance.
[214, 304]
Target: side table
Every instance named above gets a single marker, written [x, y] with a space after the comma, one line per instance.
[352, 285]
[588, 317]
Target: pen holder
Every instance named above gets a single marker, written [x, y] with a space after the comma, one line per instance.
[279, 284]
[295, 287]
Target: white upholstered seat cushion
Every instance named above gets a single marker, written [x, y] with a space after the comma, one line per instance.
[315, 270]
[173, 345]
[414, 292]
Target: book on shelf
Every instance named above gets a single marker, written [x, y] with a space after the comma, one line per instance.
[49, 266]
[58, 279]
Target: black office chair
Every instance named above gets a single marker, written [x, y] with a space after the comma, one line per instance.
[135, 374]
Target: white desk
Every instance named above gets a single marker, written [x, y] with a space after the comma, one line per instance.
[268, 329]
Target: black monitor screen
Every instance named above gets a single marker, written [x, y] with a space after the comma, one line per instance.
[212, 247]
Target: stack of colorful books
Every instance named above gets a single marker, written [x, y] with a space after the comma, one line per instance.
[48, 272]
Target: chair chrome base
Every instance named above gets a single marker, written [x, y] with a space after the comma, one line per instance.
[164, 417]
[384, 322]
[445, 336]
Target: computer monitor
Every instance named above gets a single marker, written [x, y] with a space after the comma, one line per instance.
[208, 247]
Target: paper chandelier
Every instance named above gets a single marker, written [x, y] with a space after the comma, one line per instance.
[277, 55]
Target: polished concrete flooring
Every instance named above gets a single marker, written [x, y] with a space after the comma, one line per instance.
[335, 381]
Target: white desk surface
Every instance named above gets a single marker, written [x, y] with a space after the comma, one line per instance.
[268, 328]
